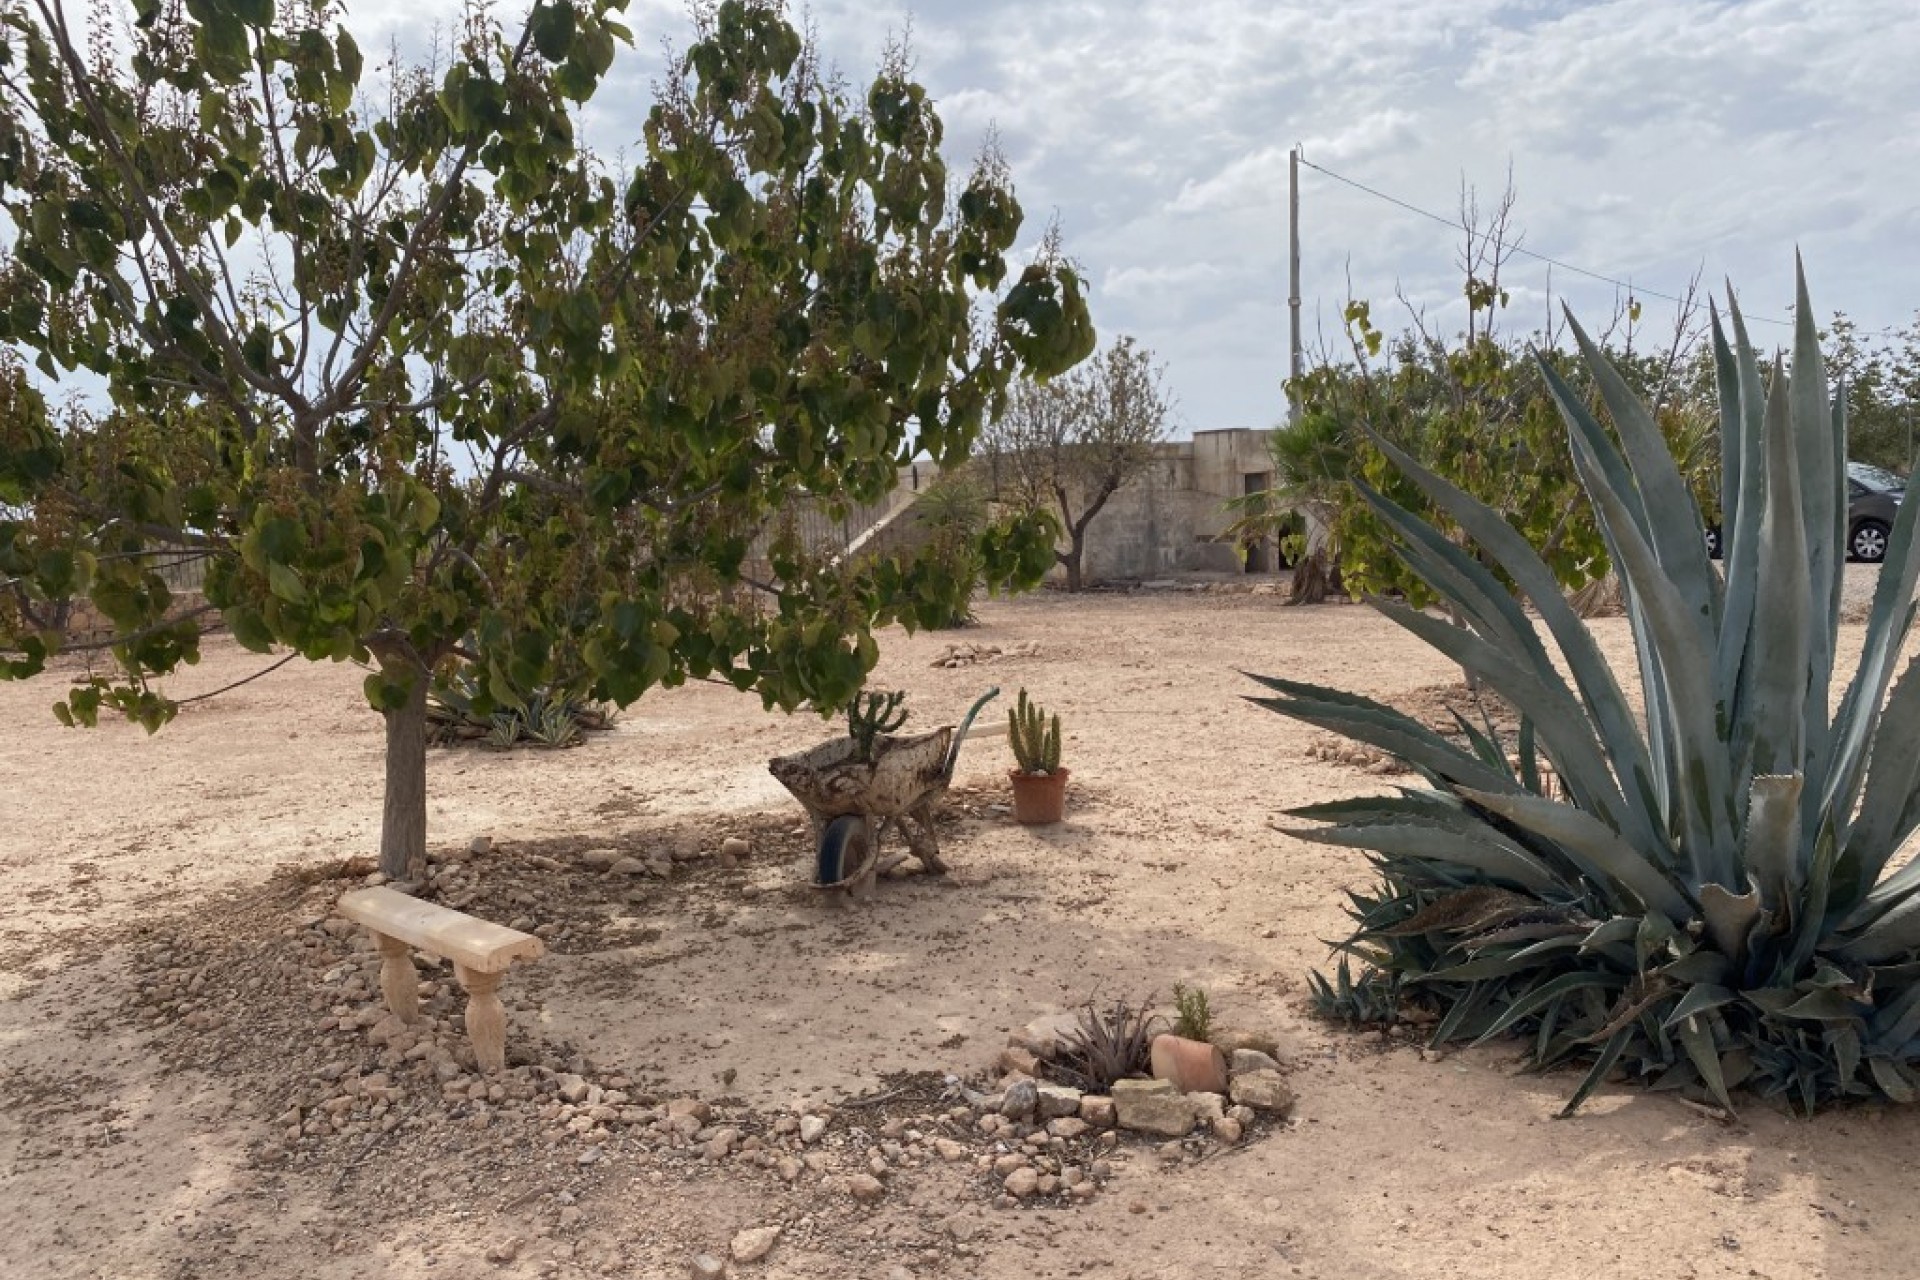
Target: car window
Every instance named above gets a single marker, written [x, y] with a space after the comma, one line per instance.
[1875, 478]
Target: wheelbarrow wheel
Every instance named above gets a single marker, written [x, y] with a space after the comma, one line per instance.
[844, 849]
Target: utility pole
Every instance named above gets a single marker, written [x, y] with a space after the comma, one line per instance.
[1293, 281]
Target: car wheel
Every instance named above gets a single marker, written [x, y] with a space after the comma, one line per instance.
[1713, 542]
[1869, 541]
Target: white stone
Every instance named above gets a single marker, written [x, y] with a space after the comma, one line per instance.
[754, 1243]
[1263, 1091]
[1245, 1060]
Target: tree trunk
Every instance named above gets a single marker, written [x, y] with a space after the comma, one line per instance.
[1312, 580]
[403, 820]
[1071, 559]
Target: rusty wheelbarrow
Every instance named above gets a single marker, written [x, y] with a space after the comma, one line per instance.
[852, 802]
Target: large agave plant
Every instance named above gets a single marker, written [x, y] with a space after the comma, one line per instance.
[1712, 905]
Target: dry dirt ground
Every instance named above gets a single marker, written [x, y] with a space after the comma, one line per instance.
[187, 1090]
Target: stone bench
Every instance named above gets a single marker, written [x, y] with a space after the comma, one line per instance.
[480, 950]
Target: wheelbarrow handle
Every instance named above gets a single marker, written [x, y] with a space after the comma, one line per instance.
[964, 731]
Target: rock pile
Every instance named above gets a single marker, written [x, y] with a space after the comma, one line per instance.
[967, 655]
[1339, 751]
[1056, 1137]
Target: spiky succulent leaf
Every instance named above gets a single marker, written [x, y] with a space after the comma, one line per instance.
[1710, 907]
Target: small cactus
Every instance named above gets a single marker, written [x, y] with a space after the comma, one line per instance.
[871, 715]
[1035, 738]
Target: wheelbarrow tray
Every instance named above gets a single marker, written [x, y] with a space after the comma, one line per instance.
[830, 781]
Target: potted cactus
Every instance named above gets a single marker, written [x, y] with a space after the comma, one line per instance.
[1039, 783]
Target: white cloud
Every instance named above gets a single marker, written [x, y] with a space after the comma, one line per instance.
[1648, 139]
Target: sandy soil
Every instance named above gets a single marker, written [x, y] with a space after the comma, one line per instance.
[139, 1140]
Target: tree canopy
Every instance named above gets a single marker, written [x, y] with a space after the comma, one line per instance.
[1478, 412]
[422, 379]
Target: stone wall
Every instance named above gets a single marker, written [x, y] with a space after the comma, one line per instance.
[1173, 519]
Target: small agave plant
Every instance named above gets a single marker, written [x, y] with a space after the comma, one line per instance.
[1709, 903]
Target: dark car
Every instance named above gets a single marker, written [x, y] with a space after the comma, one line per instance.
[1873, 500]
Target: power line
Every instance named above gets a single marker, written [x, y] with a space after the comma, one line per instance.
[1457, 225]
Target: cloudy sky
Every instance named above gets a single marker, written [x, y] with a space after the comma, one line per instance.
[1649, 140]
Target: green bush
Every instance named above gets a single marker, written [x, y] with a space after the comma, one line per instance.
[1711, 906]
[954, 512]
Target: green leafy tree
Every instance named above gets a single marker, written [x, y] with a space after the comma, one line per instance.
[1479, 413]
[1067, 446]
[423, 382]
[1881, 382]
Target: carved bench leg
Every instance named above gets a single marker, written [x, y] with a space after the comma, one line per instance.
[486, 1018]
[398, 982]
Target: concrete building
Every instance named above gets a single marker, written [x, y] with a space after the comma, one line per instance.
[1174, 518]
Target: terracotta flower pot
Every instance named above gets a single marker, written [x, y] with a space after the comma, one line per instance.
[1039, 798]
[1191, 1066]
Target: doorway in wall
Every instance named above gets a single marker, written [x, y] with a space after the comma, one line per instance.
[1259, 550]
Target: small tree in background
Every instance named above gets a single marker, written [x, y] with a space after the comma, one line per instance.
[1881, 381]
[953, 513]
[1067, 446]
[422, 382]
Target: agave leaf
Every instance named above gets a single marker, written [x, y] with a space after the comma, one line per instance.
[1773, 838]
[1532, 932]
[1895, 1024]
[1655, 935]
[1484, 744]
[1609, 1055]
[1480, 970]
[1777, 711]
[1887, 808]
[1549, 1020]
[1888, 624]
[1894, 934]
[1592, 674]
[1608, 933]
[1552, 989]
[1487, 852]
[1567, 734]
[1546, 946]
[1380, 726]
[1811, 906]
[1825, 1005]
[1893, 1082]
[1464, 1009]
[1676, 645]
[1439, 808]
[1597, 848]
[1699, 1000]
[1457, 576]
[1697, 1040]
[1820, 466]
[1742, 496]
[1529, 760]
[1673, 526]
[1434, 806]
[1729, 917]
[1703, 966]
